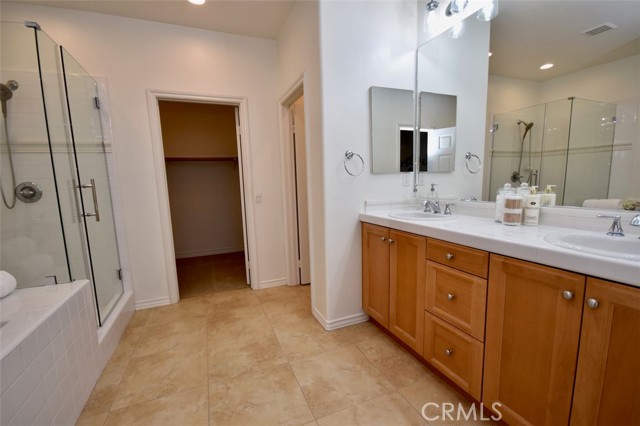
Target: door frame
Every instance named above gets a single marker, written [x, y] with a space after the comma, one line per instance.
[153, 97]
[288, 182]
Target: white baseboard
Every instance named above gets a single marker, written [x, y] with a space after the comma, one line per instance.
[209, 252]
[272, 283]
[152, 303]
[340, 322]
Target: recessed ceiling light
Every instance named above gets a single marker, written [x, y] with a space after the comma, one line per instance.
[546, 66]
[197, 1]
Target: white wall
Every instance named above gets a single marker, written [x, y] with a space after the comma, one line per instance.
[363, 44]
[137, 55]
[299, 57]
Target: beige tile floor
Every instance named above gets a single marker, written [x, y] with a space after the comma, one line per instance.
[208, 274]
[247, 357]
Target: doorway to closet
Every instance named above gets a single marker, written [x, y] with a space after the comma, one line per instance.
[202, 153]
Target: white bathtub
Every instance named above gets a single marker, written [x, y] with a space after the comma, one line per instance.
[52, 351]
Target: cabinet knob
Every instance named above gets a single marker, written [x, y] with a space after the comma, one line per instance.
[592, 303]
[391, 241]
[449, 256]
[448, 352]
[451, 296]
[383, 238]
[567, 295]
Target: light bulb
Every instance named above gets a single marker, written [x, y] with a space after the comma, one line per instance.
[197, 1]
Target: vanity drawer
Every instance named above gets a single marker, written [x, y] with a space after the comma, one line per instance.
[456, 297]
[457, 355]
[466, 259]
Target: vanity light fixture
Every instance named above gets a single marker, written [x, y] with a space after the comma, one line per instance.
[546, 66]
[198, 2]
[488, 11]
[456, 6]
[432, 5]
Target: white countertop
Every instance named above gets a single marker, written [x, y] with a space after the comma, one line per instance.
[522, 242]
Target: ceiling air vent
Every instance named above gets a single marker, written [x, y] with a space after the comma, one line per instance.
[599, 29]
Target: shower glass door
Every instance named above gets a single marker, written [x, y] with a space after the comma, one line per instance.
[91, 158]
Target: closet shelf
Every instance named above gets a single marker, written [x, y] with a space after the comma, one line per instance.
[201, 158]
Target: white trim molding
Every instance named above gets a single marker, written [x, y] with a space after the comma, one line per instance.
[340, 322]
[279, 282]
[153, 97]
[152, 303]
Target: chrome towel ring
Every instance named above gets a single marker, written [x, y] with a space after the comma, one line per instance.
[353, 170]
[472, 163]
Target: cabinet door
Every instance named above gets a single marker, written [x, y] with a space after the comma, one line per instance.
[407, 283]
[531, 345]
[375, 272]
[607, 389]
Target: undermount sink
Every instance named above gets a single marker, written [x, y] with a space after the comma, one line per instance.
[419, 215]
[627, 247]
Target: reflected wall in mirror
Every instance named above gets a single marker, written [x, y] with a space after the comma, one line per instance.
[588, 146]
[457, 64]
[392, 131]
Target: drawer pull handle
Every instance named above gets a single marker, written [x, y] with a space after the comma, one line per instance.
[451, 296]
[592, 303]
[383, 238]
[567, 295]
[448, 352]
[449, 256]
[391, 241]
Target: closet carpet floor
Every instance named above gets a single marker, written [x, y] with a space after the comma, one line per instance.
[208, 274]
[247, 357]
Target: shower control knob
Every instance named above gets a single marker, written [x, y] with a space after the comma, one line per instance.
[28, 192]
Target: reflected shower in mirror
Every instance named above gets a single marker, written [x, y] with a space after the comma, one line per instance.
[572, 105]
[392, 131]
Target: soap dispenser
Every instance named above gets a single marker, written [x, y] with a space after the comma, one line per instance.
[432, 194]
[532, 207]
[549, 197]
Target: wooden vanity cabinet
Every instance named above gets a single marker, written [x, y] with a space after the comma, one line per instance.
[455, 302]
[532, 336]
[375, 272]
[393, 273]
[607, 388]
[406, 297]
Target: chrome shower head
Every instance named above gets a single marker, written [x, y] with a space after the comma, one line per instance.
[6, 93]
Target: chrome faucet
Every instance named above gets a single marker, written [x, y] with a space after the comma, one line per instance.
[635, 221]
[616, 229]
[432, 206]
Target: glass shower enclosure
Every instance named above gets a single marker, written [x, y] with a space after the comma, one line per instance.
[56, 218]
[566, 143]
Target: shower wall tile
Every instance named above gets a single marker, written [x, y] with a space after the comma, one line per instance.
[49, 376]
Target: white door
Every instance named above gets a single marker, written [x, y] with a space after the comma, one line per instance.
[301, 206]
[440, 149]
[247, 260]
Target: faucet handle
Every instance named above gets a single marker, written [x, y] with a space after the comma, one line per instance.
[635, 221]
[616, 228]
[447, 207]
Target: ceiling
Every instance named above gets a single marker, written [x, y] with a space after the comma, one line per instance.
[525, 34]
[254, 18]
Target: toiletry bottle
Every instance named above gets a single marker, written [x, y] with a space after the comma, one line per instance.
[432, 194]
[549, 197]
[500, 201]
[532, 207]
[512, 213]
[523, 189]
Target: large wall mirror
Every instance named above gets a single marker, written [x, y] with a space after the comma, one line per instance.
[392, 139]
[575, 124]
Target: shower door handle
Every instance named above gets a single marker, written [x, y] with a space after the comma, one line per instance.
[96, 213]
